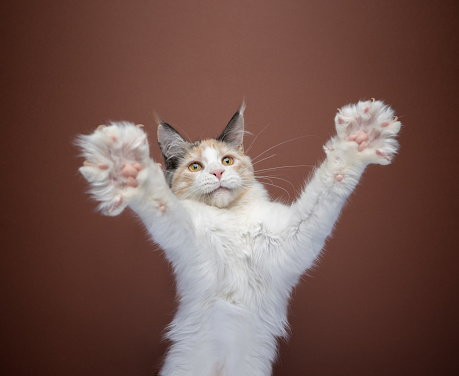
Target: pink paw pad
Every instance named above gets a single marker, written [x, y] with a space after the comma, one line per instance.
[360, 138]
[362, 146]
[339, 177]
[131, 182]
[387, 123]
[129, 171]
[341, 121]
[382, 154]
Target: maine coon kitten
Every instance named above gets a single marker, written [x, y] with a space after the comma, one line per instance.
[236, 254]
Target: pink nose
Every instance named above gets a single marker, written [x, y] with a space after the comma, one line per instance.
[218, 173]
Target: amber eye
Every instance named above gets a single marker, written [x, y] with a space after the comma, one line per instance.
[227, 161]
[194, 167]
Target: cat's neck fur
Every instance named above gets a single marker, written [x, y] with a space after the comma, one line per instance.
[253, 196]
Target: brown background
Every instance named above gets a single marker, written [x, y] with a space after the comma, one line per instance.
[83, 294]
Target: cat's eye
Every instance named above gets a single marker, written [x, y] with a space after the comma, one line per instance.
[227, 161]
[194, 167]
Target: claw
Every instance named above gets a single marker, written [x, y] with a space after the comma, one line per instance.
[117, 203]
[395, 119]
[100, 127]
[86, 163]
[373, 100]
[140, 125]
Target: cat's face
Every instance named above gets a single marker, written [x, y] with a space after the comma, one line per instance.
[214, 171]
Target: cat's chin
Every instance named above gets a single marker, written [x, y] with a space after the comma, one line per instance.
[221, 197]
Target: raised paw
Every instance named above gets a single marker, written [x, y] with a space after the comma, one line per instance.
[116, 156]
[372, 127]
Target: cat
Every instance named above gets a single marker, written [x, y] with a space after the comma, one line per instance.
[235, 253]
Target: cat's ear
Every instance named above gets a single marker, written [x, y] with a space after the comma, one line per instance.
[172, 145]
[233, 134]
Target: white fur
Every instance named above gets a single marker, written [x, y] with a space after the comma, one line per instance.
[235, 267]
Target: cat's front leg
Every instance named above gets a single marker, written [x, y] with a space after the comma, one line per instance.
[366, 134]
[121, 173]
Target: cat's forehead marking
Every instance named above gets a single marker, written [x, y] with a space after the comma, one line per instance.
[209, 153]
[211, 144]
[208, 150]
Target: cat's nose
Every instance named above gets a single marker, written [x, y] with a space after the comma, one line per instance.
[218, 173]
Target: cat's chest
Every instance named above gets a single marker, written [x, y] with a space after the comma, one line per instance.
[232, 236]
[235, 238]
[230, 250]
[225, 237]
[234, 249]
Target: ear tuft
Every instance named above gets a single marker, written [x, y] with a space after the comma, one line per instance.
[233, 134]
[158, 119]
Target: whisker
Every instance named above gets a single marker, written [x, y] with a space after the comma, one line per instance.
[279, 144]
[279, 167]
[264, 159]
[277, 186]
[259, 133]
[265, 177]
[275, 177]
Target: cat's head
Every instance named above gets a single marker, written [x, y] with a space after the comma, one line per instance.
[213, 171]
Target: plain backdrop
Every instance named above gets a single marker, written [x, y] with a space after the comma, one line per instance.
[83, 294]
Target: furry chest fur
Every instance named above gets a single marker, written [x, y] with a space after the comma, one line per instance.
[235, 254]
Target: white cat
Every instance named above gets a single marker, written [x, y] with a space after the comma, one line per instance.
[236, 254]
